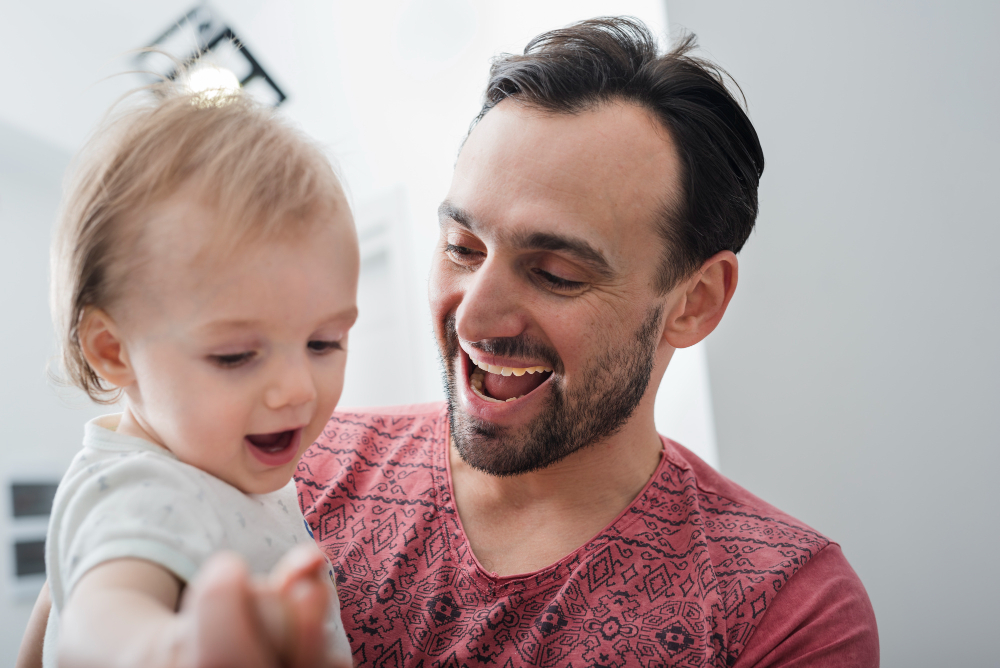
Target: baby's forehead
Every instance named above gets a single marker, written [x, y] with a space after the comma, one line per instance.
[190, 268]
[189, 227]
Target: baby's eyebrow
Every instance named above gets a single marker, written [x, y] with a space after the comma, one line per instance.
[348, 316]
[230, 323]
[345, 316]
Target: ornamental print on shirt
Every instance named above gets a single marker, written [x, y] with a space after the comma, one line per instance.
[681, 578]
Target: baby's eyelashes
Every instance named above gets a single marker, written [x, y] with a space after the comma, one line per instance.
[321, 347]
[233, 359]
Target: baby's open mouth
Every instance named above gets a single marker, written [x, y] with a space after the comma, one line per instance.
[499, 384]
[272, 443]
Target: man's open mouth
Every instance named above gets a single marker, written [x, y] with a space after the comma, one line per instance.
[500, 384]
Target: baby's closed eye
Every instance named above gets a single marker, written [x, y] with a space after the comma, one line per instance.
[325, 346]
[232, 359]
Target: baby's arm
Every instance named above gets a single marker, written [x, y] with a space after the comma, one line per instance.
[30, 654]
[121, 613]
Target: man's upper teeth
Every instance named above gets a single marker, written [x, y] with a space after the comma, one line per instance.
[508, 370]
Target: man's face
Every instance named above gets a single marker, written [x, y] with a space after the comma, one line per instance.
[543, 287]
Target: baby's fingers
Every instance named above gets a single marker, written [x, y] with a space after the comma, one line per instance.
[299, 563]
[308, 600]
[293, 604]
[219, 621]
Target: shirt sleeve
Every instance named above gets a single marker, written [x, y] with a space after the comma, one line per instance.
[821, 617]
[142, 506]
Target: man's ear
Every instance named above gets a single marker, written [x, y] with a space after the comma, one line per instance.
[703, 300]
[101, 342]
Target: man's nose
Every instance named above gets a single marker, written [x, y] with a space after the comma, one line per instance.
[292, 384]
[492, 304]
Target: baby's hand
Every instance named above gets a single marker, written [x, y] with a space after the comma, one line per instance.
[292, 603]
[228, 619]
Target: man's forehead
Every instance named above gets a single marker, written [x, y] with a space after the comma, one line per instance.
[597, 174]
[614, 156]
[609, 136]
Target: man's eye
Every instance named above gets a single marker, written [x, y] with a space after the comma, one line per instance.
[554, 281]
[324, 346]
[461, 254]
[233, 360]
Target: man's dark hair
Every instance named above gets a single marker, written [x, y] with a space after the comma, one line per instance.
[616, 59]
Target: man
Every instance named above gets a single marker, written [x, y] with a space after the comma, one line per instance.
[538, 518]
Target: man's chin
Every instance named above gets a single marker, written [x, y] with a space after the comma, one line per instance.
[505, 451]
[482, 445]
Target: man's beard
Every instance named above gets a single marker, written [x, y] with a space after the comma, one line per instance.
[602, 401]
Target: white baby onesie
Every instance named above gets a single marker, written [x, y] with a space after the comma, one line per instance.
[126, 497]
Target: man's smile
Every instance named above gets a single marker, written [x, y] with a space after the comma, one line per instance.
[502, 384]
[501, 380]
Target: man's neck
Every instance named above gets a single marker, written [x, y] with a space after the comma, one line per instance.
[524, 523]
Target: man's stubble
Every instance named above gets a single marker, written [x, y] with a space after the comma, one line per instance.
[602, 401]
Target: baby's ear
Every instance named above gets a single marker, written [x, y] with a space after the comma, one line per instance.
[101, 342]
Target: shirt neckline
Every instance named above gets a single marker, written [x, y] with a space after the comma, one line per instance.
[101, 433]
[471, 563]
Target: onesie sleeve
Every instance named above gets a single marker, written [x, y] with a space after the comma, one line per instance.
[140, 505]
[821, 617]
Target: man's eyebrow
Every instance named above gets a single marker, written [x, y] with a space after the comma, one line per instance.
[579, 248]
[548, 241]
[448, 211]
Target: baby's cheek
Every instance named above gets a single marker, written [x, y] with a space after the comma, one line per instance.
[218, 420]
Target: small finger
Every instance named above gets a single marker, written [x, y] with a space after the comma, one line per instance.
[302, 561]
[221, 618]
[273, 616]
[308, 601]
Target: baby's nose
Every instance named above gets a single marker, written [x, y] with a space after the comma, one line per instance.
[293, 385]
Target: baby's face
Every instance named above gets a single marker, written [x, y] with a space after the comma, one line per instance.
[239, 359]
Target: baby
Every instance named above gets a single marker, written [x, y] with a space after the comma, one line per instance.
[204, 272]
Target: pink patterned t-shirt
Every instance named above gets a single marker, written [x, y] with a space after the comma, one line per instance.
[696, 572]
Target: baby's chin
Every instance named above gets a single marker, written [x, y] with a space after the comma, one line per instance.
[267, 483]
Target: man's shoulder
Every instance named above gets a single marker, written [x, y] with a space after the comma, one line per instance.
[738, 544]
[761, 559]
[730, 510]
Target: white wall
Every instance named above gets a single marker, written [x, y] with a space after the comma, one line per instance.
[854, 379]
[42, 427]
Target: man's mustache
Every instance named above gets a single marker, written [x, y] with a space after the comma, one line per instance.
[505, 346]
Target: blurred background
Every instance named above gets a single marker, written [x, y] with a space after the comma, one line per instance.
[854, 382]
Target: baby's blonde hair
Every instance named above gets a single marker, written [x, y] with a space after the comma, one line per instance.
[262, 178]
